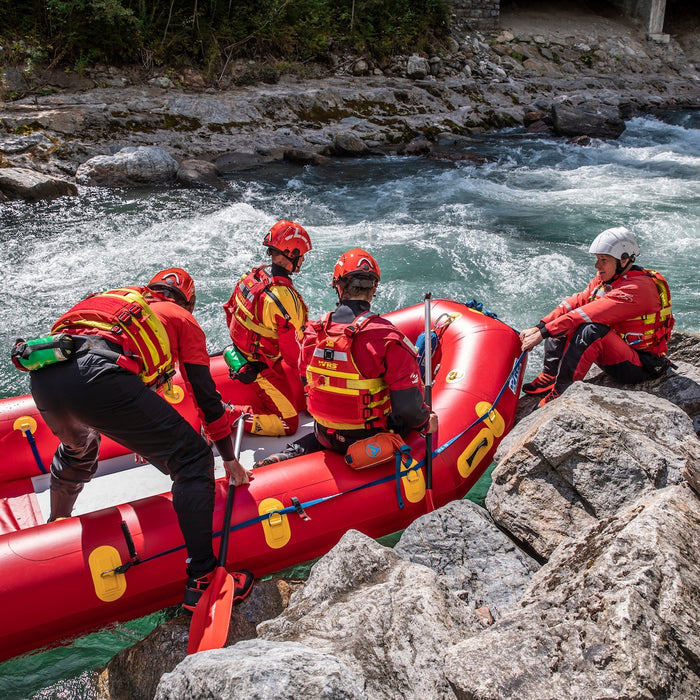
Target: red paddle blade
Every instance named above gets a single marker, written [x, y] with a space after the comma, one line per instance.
[212, 615]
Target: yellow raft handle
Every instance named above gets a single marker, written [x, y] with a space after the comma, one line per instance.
[25, 424]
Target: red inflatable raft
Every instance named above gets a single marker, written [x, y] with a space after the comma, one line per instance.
[62, 579]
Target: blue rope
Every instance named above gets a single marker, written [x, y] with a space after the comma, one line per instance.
[397, 475]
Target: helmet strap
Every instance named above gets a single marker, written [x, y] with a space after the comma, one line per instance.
[621, 269]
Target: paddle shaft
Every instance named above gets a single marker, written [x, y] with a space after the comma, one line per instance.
[228, 510]
[428, 393]
[212, 615]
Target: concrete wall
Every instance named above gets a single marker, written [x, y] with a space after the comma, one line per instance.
[485, 14]
[478, 14]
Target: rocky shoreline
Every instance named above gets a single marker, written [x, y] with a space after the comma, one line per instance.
[563, 83]
[578, 579]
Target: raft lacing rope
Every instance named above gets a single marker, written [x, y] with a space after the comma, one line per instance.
[398, 474]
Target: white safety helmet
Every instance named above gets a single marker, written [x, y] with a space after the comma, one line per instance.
[618, 242]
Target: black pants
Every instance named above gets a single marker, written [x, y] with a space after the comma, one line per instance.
[89, 396]
[569, 358]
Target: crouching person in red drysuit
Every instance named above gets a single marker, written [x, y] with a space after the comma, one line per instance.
[106, 388]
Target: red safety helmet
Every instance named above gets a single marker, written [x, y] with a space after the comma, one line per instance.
[288, 238]
[175, 282]
[356, 262]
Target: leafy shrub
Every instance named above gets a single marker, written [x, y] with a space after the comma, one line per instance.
[210, 33]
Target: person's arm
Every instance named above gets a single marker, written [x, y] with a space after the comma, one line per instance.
[410, 412]
[634, 297]
[402, 375]
[572, 302]
[290, 326]
[217, 420]
[530, 338]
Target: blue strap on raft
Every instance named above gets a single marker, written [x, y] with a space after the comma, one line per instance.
[405, 451]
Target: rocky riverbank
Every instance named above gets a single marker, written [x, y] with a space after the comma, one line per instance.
[580, 75]
[579, 579]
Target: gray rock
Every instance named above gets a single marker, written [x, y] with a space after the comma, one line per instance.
[348, 144]
[577, 121]
[129, 167]
[475, 559]
[199, 173]
[22, 183]
[582, 457]
[612, 615]
[680, 385]
[261, 670]
[417, 67]
[386, 619]
[235, 161]
[134, 673]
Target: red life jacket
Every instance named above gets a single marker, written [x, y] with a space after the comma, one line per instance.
[123, 317]
[650, 332]
[244, 310]
[340, 397]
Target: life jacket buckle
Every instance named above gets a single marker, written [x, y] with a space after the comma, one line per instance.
[125, 317]
[117, 330]
[328, 354]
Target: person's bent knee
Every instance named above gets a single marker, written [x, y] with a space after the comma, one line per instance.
[588, 333]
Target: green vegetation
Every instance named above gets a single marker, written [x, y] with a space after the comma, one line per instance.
[210, 33]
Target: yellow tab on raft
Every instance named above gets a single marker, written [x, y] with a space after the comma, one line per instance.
[276, 527]
[413, 484]
[494, 427]
[25, 423]
[109, 585]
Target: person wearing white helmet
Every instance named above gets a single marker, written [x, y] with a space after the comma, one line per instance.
[632, 302]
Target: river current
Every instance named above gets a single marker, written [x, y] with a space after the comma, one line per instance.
[512, 233]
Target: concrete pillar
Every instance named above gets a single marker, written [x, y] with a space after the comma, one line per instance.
[656, 17]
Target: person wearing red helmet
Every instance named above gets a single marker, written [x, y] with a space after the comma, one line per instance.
[105, 388]
[266, 317]
[362, 372]
[632, 302]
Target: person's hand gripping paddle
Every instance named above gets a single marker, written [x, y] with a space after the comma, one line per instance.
[212, 615]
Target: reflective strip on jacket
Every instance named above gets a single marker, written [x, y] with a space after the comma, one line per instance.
[631, 305]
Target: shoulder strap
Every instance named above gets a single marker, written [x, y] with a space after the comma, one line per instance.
[359, 322]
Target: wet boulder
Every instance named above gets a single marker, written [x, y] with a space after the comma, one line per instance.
[477, 561]
[582, 457]
[199, 173]
[613, 614]
[130, 167]
[602, 123]
[23, 183]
